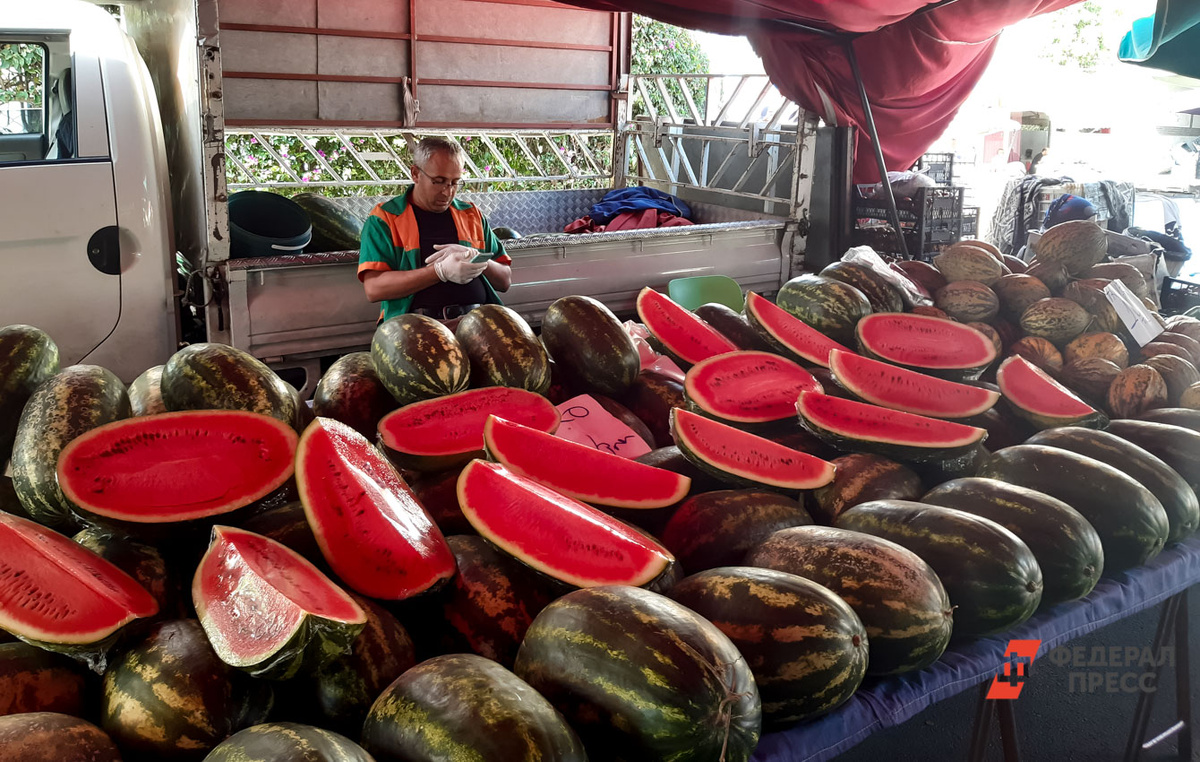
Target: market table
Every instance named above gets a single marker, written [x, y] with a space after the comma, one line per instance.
[890, 702]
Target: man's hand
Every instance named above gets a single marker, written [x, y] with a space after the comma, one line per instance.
[452, 262]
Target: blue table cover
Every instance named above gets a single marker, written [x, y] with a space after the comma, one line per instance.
[890, 702]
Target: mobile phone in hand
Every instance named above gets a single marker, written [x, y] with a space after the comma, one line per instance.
[482, 256]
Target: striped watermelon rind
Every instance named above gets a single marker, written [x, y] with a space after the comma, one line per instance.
[747, 387]
[805, 645]
[787, 333]
[832, 307]
[744, 459]
[898, 388]
[897, 596]
[993, 579]
[208, 376]
[287, 740]
[268, 610]
[677, 688]
[334, 226]
[418, 358]
[560, 537]
[1131, 522]
[718, 528]
[463, 706]
[858, 426]
[1065, 544]
[926, 344]
[592, 476]
[72, 402]
[350, 391]
[503, 349]
[441, 433]
[589, 344]
[686, 338]
[1035, 396]
[28, 356]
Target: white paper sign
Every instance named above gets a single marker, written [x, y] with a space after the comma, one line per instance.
[1133, 313]
[584, 421]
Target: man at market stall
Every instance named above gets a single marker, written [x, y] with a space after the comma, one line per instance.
[426, 251]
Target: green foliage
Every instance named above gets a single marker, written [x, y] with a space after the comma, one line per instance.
[660, 48]
[22, 78]
[1079, 37]
[330, 165]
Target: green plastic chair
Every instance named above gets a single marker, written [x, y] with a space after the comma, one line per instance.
[690, 293]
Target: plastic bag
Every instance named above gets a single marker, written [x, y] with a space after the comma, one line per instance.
[650, 359]
[866, 256]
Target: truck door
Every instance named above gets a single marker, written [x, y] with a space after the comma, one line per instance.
[59, 251]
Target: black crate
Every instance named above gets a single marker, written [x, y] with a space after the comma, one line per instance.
[1179, 296]
[938, 166]
[970, 222]
[931, 221]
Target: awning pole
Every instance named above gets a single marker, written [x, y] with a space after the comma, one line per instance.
[874, 134]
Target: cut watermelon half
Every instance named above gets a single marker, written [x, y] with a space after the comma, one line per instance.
[682, 333]
[558, 536]
[926, 343]
[267, 610]
[61, 596]
[748, 387]
[174, 467]
[788, 332]
[437, 434]
[891, 386]
[1039, 399]
[368, 523]
[582, 472]
[858, 426]
[742, 458]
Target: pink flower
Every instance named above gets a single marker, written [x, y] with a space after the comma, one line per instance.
[253, 141]
[321, 154]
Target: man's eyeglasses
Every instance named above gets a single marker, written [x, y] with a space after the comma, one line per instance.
[443, 182]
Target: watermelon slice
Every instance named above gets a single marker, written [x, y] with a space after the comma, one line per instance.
[788, 332]
[1035, 396]
[887, 385]
[744, 459]
[268, 610]
[61, 596]
[926, 343]
[368, 523]
[747, 387]
[858, 426]
[582, 472]
[174, 467]
[554, 534]
[438, 434]
[685, 336]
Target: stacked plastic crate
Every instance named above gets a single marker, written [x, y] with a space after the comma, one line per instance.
[931, 219]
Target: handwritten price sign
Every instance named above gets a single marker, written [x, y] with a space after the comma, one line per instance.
[585, 422]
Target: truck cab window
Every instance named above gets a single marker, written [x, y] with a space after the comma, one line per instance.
[24, 97]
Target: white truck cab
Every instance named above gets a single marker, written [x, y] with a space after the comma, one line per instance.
[86, 248]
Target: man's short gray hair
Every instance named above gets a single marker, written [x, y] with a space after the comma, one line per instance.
[432, 145]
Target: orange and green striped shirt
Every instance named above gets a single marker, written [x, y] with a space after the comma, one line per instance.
[391, 241]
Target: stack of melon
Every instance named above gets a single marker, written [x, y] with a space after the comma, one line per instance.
[415, 566]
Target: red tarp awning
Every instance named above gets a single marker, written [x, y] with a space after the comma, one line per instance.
[917, 68]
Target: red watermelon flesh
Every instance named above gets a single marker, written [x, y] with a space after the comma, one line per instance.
[891, 386]
[368, 523]
[1031, 388]
[555, 534]
[872, 423]
[55, 591]
[172, 467]
[683, 333]
[582, 472]
[923, 341]
[748, 457]
[453, 425]
[790, 331]
[748, 387]
[262, 603]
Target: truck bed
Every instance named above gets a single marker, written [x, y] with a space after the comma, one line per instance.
[291, 310]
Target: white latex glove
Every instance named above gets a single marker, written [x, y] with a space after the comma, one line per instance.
[436, 256]
[456, 266]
